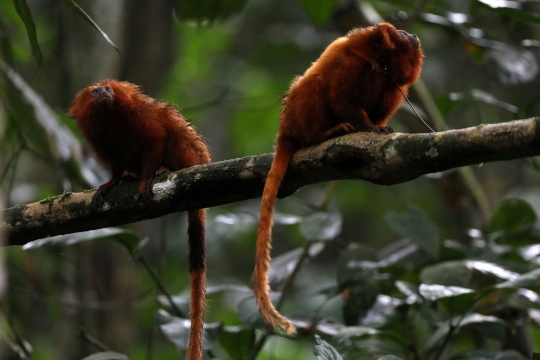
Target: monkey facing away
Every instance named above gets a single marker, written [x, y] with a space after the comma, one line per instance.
[134, 134]
[353, 86]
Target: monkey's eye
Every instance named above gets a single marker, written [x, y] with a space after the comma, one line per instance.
[95, 91]
[107, 89]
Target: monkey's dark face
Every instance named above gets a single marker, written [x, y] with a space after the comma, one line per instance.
[103, 94]
[411, 38]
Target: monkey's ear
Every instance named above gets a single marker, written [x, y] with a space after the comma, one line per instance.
[383, 39]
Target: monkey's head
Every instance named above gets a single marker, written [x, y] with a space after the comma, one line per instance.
[396, 51]
[102, 94]
[105, 96]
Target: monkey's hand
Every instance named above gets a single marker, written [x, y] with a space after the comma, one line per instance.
[98, 196]
[144, 192]
[375, 66]
[347, 128]
[162, 170]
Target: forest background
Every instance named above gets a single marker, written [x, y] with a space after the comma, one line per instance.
[441, 267]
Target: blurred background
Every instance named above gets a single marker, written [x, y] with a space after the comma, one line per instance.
[226, 64]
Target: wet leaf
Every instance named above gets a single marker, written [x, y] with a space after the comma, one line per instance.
[359, 332]
[24, 13]
[88, 19]
[529, 279]
[124, 237]
[512, 215]
[454, 298]
[248, 219]
[435, 292]
[415, 225]
[397, 252]
[248, 311]
[236, 219]
[464, 272]
[237, 340]
[490, 99]
[325, 351]
[469, 319]
[321, 226]
[318, 11]
[282, 266]
[63, 139]
[177, 330]
[208, 9]
[350, 263]
[106, 355]
[489, 355]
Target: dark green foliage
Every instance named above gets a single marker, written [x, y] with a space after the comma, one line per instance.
[415, 271]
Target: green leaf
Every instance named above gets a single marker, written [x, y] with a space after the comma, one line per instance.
[319, 11]
[529, 279]
[513, 214]
[465, 273]
[24, 12]
[321, 226]
[454, 298]
[237, 341]
[248, 311]
[399, 251]
[435, 292]
[536, 356]
[63, 139]
[489, 355]
[208, 9]
[502, 11]
[390, 357]
[282, 266]
[467, 320]
[353, 263]
[177, 330]
[124, 237]
[106, 355]
[415, 225]
[87, 17]
[357, 332]
[325, 351]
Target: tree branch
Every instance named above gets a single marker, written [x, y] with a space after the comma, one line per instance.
[380, 159]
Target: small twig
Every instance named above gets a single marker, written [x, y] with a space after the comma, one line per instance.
[327, 195]
[93, 341]
[18, 338]
[292, 276]
[159, 271]
[471, 181]
[12, 158]
[208, 104]
[157, 281]
[412, 107]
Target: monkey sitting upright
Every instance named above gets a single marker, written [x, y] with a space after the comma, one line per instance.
[353, 86]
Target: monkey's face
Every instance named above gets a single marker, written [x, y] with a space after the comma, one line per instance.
[102, 94]
[411, 38]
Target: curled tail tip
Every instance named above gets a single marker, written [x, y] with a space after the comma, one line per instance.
[289, 328]
[279, 323]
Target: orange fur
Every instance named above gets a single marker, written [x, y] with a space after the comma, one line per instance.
[134, 134]
[353, 86]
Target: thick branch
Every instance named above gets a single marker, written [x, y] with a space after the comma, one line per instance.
[380, 159]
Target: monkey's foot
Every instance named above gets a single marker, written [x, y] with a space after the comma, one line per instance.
[162, 170]
[383, 130]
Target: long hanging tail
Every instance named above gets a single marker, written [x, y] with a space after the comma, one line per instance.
[284, 153]
[197, 273]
